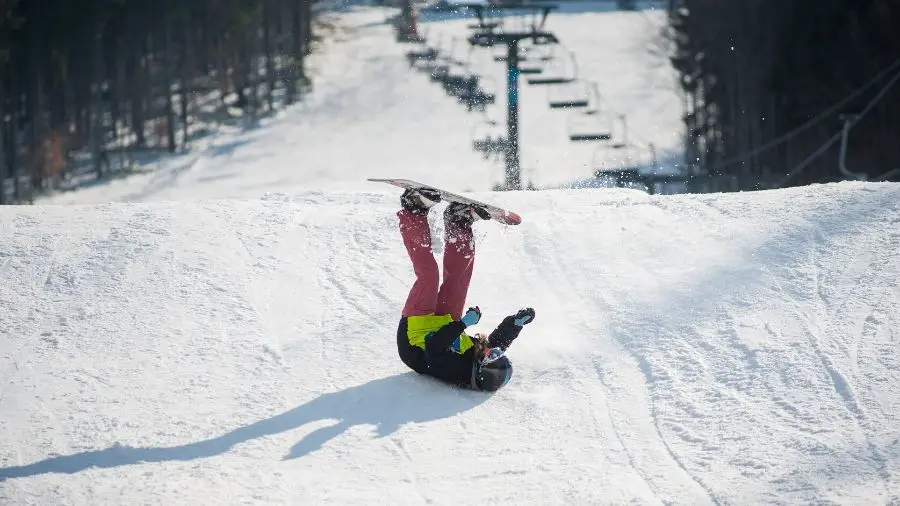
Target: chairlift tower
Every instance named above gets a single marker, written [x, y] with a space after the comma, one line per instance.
[511, 40]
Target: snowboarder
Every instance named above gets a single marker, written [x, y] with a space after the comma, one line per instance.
[431, 337]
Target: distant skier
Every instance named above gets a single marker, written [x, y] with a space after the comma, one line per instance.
[431, 338]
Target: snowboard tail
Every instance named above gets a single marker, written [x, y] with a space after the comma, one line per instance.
[497, 213]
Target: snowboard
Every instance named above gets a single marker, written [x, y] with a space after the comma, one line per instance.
[499, 214]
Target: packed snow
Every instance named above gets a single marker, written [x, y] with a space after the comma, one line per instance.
[222, 329]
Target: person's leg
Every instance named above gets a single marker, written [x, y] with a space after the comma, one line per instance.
[422, 299]
[459, 262]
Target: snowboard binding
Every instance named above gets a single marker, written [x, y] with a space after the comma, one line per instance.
[419, 200]
[464, 215]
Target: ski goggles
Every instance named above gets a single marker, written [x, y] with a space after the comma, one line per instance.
[491, 355]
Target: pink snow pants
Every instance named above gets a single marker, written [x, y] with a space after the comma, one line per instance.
[425, 297]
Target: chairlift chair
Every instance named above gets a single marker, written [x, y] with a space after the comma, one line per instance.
[538, 53]
[534, 65]
[599, 129]
[501, 58]
[408, 37]
[460, 78]
[499, 54]
[621, 141]
[561, 73]
[600, 124]
[451, 55]
[477, 97]
[425, 54]
[486, 26]
[459, 84]
[576, 94]
[621, 163]
[441, 71]
[489, 139]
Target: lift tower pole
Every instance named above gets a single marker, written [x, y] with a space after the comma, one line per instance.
[513, 171]
[511, 40]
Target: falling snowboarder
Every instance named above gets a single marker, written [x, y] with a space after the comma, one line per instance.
[431, 338]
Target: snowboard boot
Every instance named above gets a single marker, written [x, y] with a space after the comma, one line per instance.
[419, 201]
[463, 215]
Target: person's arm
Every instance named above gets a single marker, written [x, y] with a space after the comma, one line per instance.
[440, 341]
[509, 328]
[504, 334]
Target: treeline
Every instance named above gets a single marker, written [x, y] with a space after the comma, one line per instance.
[90, 83]
[769, 83]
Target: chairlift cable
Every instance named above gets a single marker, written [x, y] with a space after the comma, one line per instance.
[812, 122]
[838, 135]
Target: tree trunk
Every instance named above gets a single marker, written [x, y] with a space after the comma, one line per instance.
[186, 71]
[2, 137]
[95, 83]
[267, 49]
[35, 98]
[168, 72]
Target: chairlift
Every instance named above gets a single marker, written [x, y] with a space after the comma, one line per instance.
[440, 71]
[489, 139]
[534, 65]
[451, 55]
[476, 97]
[486, 26]
[463, 88]
[560, 72]
[542, 53]
[619, 162]
[424, 54]
[501, 58]
[539, 38]
[620, 141]
[590, 125]
[426, 60]
[460, 77]
[459, 84]
[576, 94]
[499, 54]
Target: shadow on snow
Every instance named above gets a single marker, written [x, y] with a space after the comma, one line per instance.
[386, 403]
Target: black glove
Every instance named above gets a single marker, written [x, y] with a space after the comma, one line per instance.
[509, 328]
[523, 317]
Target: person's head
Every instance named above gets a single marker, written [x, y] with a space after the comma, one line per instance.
[491, 370]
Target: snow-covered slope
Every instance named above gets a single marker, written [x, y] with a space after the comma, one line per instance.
[715, 349]
[238, 345]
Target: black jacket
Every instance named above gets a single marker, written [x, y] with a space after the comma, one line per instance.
[439, 361]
